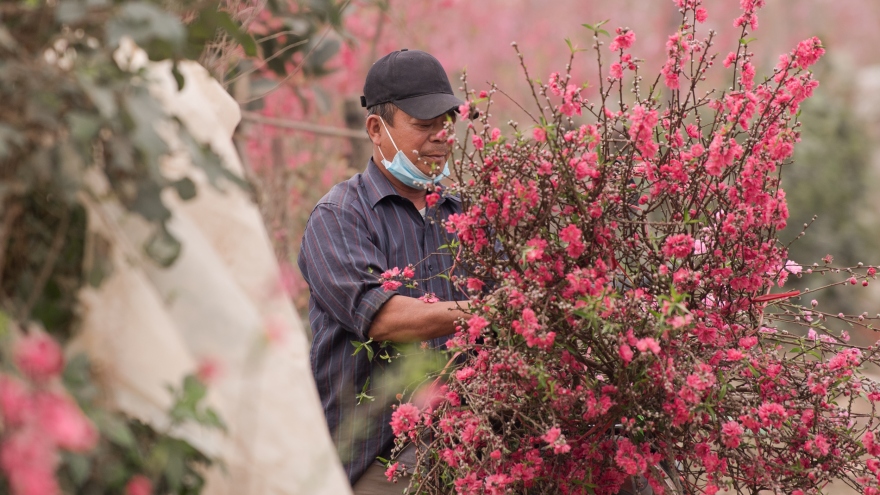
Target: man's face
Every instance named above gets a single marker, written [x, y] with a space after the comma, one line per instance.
[420, 140]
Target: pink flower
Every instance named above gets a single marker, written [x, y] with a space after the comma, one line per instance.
[475, 284]
[408, 272]
[622, 41]
[496, 133]
[139, 485]
[390, 285]
[536, 251]
[15, 401]
[700, 15]
[793, 267]
[808, 52]
[699, 247]
[648, 343]
[478, 142]
[731, 432]
[389, 473]
[29, 459]
[389, 274]
[678, 246]
[539, 134]
[551, 435]
[429, 298]
[573, 236]
[62, 420]
[625, 353]
[771, 414]
[404, 418]
[616, 71]
[39, 356]
[431, 200]
[209, 370]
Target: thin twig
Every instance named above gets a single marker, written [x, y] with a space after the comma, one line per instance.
[304, 126]
[11, 215]
[48, 265]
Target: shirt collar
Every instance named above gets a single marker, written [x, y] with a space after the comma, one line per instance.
[378, 187]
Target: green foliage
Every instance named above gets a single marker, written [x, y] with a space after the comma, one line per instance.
[130, 446]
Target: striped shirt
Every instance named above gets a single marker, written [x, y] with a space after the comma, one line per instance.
[360, 229]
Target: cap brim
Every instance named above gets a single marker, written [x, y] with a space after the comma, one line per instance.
[429, 106]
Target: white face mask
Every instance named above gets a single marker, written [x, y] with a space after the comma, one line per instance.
[402, 168]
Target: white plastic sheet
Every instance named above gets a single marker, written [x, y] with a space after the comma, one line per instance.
[146, 327]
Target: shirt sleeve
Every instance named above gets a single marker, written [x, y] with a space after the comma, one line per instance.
[342, 266]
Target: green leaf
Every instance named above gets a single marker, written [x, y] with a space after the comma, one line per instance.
[162, 247]
[80, 467]
[115, 429]
[160, 33]
[178, 76]
[185, 188]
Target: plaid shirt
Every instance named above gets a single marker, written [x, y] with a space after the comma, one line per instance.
[361, 228]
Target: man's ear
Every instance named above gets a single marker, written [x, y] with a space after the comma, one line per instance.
[374, 129]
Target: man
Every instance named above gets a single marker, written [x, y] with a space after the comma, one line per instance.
[376, 221]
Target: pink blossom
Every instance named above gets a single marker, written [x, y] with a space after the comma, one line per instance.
[731, 432]
[539, 134]
[748, 342]
[430, 200]
[39, 356]
[551, 435]
[678, 246]
[389, 473]
[536, 251]
[478, 141]
[15, 401]
[475, 284]
[625, 353]
[476, 324]
[496, 133]
[28, 458]
[648, 343]
[62, 420]
[139, 485]
[429, 298]
[771, 414]
[616, 71]
[808, 52]
[209, 370]
[793, 267]
[622, 41]
[390, 285]
[404, 418]
[700, 15]
[408, 272]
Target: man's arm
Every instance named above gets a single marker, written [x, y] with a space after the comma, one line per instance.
[406, 319]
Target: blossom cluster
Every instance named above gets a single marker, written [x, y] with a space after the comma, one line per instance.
[621, 269]
[39, 419]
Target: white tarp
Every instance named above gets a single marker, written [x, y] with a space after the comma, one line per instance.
[146, 327]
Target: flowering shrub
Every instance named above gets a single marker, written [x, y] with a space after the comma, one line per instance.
[620, 266]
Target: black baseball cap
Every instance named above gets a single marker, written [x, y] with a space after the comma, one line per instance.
[414, 81]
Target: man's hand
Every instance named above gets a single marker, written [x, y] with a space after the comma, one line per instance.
[406, 319]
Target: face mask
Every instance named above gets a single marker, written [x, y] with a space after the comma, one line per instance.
[405, 171]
